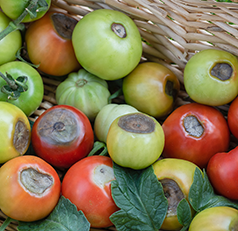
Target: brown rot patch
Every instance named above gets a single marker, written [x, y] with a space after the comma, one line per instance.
[119, 30]
[193, 126]
[222, 71]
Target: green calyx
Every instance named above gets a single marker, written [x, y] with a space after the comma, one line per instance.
[14, 87]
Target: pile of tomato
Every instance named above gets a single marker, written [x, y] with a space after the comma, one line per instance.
[90, 54]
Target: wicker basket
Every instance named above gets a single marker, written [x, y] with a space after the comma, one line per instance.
[175, 30]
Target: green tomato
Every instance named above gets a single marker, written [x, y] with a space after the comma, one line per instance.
[10, 44]
[211, 77]
[135, 140]
[15, 132]
[176, 177]
[14, 8]
[107, 43]
[84, 91]
[30, 99]
[107, 115]
[220, 218]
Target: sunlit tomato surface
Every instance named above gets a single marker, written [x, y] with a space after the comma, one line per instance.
[10, 44]
[29, 188]
[151, 88]
[15, 132]
[232, 117]
[62, 135]
[87, 184]
[49, 43]
[195, 132]
[221, 218]
[222, 171]
[176, 177]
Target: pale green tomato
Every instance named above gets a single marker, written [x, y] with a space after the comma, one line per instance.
[15, 132]
[135, 140]
[10, 44]
[107, 115]
[220, 218]
[176, 177]
[107, 43]
[211, 77]
[84, 91]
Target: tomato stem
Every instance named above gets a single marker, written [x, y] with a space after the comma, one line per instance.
[6, 223]
[30, 9]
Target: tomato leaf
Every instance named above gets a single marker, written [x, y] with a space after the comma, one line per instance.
[184, 213]
[140, 197]
[65, 217]
[202, 195]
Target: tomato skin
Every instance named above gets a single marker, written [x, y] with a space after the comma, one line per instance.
[62, 148]
[47, 47]
[10, 44]
[14, 8]
[215, 218]
[10, 116]
[19, 203]
[94, 198]
[232, 117]
[180, 144]
[31, 99]
[222, 172]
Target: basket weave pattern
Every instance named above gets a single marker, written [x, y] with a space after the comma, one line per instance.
[172, 31]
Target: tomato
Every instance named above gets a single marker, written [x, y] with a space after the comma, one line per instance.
[107, 115]
[135, 140]
[14, 8]
[107, 43]
[222, 172]
[10, 44]
[232, 117]
[29, 188]
[211, 77]
[15, 132]
[84, 91]
[31, 98]
[195, 132]
[176, 177]
[87, 184]
[215, 218]
[62, 135]
[151, 88]
[49, 43]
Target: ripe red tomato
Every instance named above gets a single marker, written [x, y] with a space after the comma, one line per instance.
[222, 171]
[195, 132]
[29, 188]
[232, 117]
[62, 135]
[49, 43]
[87, 184]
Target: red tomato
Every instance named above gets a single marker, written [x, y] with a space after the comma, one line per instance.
[232, 117]
[87, 184]
[222, 170]
[62, 135]
[49, 43]
[195, 132]
[29, 188]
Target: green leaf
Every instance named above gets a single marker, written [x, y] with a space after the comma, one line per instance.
[64, 217]
[202, 196]
[184, 213]
[140, 197]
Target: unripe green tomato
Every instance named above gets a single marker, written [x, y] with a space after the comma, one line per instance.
[220, 218]
[84, 91]
[151, 88]
[10, 44]
[176, 177]
[135, 140]
[107, 115]
[211, 77]
[15, 132]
